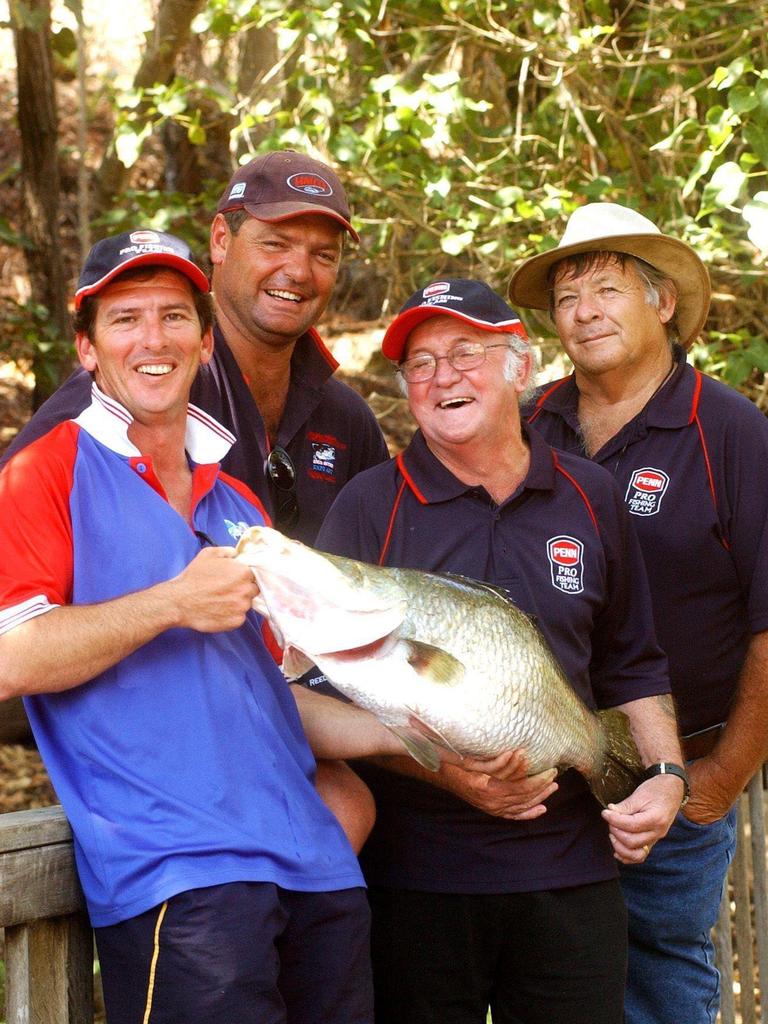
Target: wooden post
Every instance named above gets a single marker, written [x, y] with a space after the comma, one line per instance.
[48, 940]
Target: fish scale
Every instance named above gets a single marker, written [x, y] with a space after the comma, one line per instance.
[441, 660]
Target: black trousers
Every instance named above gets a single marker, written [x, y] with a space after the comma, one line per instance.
[241, 953]
[555, 957]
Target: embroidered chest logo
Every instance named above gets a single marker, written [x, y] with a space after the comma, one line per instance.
[236, 530]
[324, 460]
[645, 490]
[325, 455]
[566, 564]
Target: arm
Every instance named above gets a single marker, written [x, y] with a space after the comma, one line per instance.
[339, 731]
[718, 779]
[646, 815]
[71, 644]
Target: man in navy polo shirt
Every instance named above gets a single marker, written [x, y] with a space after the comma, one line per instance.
[276, 246]
[689, 456]
[502, 889]
[220, 886]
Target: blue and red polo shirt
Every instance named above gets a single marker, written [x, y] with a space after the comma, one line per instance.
[185, 764]
[327, 429]
[562, 549]
[692, 469]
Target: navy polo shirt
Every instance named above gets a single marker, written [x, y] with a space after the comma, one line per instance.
[561, 548]
[327, 429]
[692, 468]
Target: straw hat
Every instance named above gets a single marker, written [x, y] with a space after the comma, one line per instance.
[608, 227]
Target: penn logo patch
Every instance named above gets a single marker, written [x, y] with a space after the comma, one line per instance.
[566, 564]
[645, 491]
[144, 237]
[309, 184]
[436, 289]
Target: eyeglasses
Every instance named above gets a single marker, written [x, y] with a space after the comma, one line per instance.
[281, 473]
[466, 356]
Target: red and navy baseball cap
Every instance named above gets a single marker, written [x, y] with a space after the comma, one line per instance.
[286, 184]
[142, 247]
[471, 301]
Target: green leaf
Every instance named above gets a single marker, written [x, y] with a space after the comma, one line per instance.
[725, 185]
[756, 136]
[701, 167]
[454, 244]
[742, 99]
[755, 213]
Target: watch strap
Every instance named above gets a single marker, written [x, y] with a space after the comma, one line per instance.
[670, 768]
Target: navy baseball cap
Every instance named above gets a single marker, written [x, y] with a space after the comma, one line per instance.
[471, 301]
[142, 247]
[286, 184]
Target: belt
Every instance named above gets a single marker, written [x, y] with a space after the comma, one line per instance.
[699, 744]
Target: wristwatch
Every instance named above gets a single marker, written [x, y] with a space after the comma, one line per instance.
[669, 768]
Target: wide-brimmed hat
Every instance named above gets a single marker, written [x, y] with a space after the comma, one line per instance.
[471, 301]
[608, 227]
[285, 184]
[141, 247]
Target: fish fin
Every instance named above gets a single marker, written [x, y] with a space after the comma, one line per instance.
[295, 663]
[436, 665]
[429, 733]
[621, 770]
[419, 747]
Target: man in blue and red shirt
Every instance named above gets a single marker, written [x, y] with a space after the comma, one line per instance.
[220, 886]
[690, 457]
[299, 433]
[501, 889]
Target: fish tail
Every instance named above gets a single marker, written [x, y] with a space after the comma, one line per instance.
[621, 770]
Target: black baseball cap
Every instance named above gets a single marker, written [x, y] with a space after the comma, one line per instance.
[141, 247]
[471, 301]
[286, 184]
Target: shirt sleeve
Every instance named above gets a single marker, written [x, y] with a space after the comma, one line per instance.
[36, 527]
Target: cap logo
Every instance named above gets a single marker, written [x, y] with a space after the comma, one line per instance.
[565, 563]
[310, 184]
[144, 237]
[238, 190]
[436, 289]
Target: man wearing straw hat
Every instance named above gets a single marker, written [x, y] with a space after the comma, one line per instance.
[690, 456]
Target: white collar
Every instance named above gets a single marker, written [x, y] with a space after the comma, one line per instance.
[105, 419]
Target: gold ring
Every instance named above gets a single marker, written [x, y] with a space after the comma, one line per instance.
[647, 849]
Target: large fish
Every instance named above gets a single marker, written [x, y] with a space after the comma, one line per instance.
[441, 660]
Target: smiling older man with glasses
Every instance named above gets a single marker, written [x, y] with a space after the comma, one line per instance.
[501, 890]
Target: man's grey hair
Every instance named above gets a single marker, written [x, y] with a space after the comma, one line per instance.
[654, 281]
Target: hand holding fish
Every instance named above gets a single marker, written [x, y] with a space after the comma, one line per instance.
[501, 788]
[640, 821]
[214, 592]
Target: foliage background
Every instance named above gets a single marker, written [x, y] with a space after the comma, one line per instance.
[465, 132]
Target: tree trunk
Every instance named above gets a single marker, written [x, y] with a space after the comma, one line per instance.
[171, 32]
[38, 126]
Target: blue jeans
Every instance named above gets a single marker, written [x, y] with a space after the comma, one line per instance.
[673, 901]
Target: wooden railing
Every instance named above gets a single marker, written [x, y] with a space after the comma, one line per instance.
[49, 943]
[48, 940]
[741, 936]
